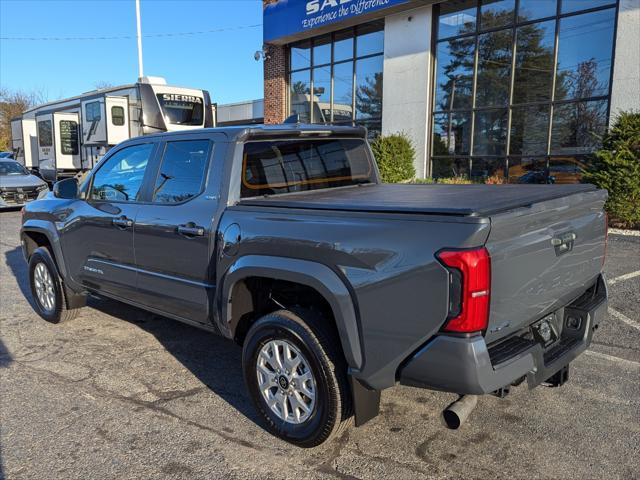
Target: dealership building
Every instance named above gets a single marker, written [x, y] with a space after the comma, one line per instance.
[517, 88]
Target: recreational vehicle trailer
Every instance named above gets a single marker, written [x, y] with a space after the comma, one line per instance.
[65, 137]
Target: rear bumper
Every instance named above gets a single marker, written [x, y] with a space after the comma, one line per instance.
[469, 366]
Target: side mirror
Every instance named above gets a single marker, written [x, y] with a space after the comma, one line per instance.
[67, 188]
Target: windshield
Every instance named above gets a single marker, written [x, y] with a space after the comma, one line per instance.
[181, 109]
[285, 166]
[12, 168]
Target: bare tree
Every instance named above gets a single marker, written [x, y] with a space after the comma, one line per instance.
[12, 104]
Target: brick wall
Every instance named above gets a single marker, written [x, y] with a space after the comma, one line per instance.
[275, 82]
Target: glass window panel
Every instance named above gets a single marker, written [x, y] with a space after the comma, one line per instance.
[300, 84]
[322, 50]
[449, 167]
[456, 18]
[370, 39]
[575, 5]
[300, 55]
[343, 92]
[529, 129]
[490, 132]
[494, 68]
[534, 62]
[441, 134]
[374, 128]
[534, 9]
[182, 171]
[343, 46]
[584, 55]
[528, 170]
[455, 74]
[483, 168]
[460, 138]
[119, 179]
[566, 169]
[369, 88]
[496, 13]
[322, 94]
[578, 127]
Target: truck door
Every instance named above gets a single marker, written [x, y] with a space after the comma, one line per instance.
[66, 131]
[98, 238]
[46, 148]
[117, 119]
[174, 235]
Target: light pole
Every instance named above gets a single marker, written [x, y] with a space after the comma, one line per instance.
[139, 35]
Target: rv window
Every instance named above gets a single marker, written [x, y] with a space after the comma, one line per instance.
[92, 112]
[119, 179]
[45, 133]
[181, 109]
[182, 171]
[69, 137]
[117, 116]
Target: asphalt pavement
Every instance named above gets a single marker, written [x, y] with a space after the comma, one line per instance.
[121, 393]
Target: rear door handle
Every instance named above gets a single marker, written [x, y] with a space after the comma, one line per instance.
[191, 230]
[122, 222]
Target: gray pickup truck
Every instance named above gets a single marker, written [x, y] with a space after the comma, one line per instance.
[283, 239]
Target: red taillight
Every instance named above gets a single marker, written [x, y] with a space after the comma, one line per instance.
[474, 267]
[606, 237]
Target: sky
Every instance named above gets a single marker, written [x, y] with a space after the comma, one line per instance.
[221, 62]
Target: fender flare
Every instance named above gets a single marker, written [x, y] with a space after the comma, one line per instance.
[48, 230]
[312, 274]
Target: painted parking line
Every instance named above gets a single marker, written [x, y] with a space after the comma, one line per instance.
[623, 318]
[626, 276]
[612, 358]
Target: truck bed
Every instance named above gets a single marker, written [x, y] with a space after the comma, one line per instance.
[458, 200]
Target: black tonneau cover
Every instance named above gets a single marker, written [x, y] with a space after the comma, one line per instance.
[462, 200]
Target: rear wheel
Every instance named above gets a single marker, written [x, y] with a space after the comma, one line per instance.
[47, 288]
[297, 377]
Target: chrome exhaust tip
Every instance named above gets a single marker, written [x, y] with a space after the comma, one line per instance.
[458, 412]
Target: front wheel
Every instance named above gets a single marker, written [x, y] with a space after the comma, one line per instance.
[297, 377]
[47, 289]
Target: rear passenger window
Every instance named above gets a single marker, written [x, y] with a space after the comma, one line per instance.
[182, 171]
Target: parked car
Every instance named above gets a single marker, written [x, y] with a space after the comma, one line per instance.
[283, 239]
[18, 186]
[4, 155]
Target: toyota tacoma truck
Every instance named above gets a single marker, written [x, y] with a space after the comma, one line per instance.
[337, 286]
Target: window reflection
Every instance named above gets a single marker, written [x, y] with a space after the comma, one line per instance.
[300, 85]
[321, 95]
[529, 127]
[455, 73]
[496, 13]
[534, 9]
[483, 168]
[534, 62]
[300, 56]
[369, 87]
[343, 92]
[529, 170]
[578, 127]
[494, 68]
[584, 55]
[456, 18]
[490, 132]
[575, 5]
[566, 169]
[330, 72]
[449, 167]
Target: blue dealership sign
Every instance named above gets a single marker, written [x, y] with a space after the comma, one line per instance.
[284, 18]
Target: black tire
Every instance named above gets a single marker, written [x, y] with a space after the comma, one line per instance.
[319, 344]
[59, 311]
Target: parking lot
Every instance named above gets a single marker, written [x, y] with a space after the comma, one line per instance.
[121, 393]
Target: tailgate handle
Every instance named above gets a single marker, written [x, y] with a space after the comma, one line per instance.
[563, 243]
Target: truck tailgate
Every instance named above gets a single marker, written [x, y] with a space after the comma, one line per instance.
[543, 257]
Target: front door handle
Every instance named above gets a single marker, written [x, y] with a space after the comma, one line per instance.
[191, 230]
[122, 222]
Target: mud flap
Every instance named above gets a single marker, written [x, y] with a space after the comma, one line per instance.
[366, 402]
